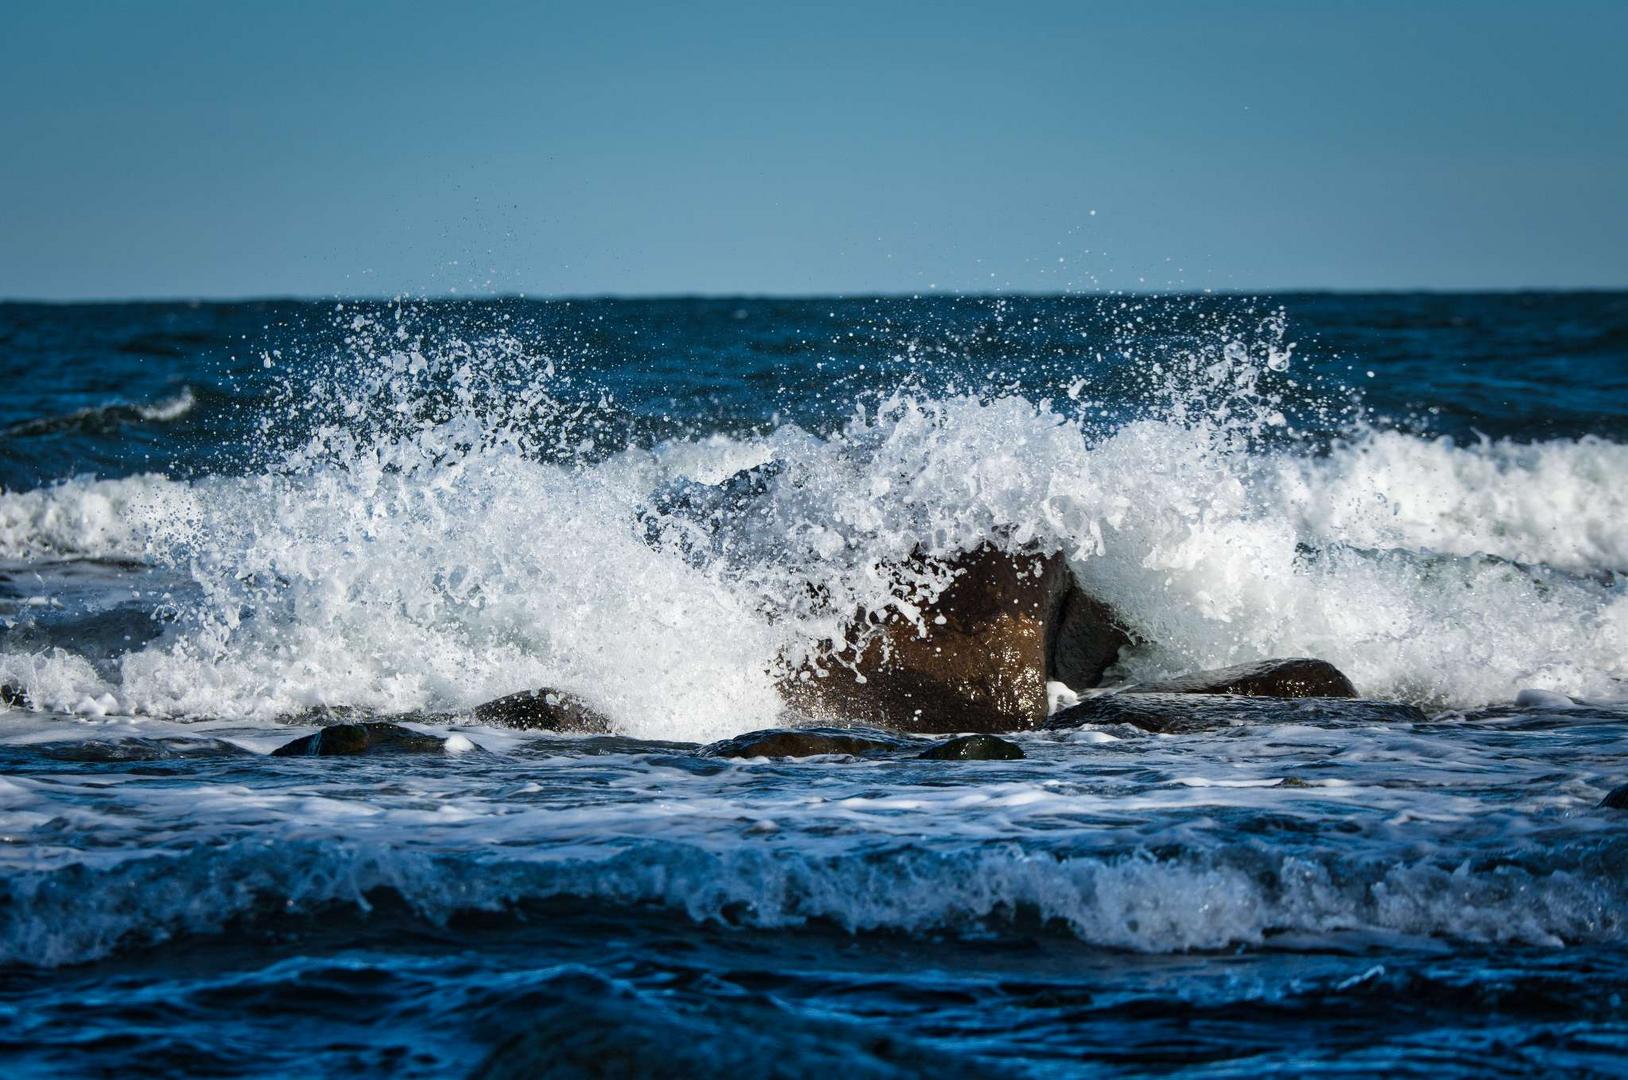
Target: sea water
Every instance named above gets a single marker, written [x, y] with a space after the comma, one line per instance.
[218, 521]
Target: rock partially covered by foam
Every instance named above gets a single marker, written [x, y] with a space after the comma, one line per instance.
[1617, 799]
[1295, 677]
[980, 658]
[14, 696]
[543, 710]
[375, 737]
[1180, 714]
[974, 748]
[804, 742]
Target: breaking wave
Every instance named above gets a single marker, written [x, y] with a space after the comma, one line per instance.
[461, 519]
[91, 908]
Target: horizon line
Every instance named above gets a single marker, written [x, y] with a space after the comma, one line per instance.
[669, 297]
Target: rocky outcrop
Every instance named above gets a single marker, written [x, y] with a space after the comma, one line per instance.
[974, 748]
[1617, 799]
[1296, 677]
[369, 738]
[804, 742]
[990, 640]
[14, 696]
[1177, 714]
[543, 710]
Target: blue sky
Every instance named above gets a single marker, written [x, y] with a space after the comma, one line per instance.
[238, 149]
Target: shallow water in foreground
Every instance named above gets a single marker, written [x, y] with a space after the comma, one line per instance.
[216, 517]
[1302, 895]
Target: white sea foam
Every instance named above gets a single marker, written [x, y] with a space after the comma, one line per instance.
[171, 408]
[403, 559]
[99, 519]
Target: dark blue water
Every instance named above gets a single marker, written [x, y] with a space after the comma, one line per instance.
[215, 518]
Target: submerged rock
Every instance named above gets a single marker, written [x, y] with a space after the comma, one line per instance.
[982, 662]
[974, 748]
[139, 748]
[543, 710]
[1617, 799]
[1296, 677]
[803, 742]
[374, 737]
[1177, 714]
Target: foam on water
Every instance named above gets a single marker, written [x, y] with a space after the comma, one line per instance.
[453, 528]
[1144, 843]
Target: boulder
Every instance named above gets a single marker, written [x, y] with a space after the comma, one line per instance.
[14, 696]
[992, 638]
[1178, 714]
[1617, 799]
[804, 742]
[543, 710]
[1297, 677]
[974, 748]
[370, 738]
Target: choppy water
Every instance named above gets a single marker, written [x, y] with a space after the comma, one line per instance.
[216, 517]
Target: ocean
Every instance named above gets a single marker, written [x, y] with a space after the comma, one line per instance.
[222, 524]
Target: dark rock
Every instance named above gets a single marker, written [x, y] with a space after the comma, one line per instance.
[1617, 799]
[14, 696]
[803, 742]
[1177, 714]
[142, 749]
[981, 665]
[974, 748]
[1083, 638]
[369, 738]
[1297, 677]
[543, 710]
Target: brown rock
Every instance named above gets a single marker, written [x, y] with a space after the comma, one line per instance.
[1009, 622]
[981, 669]
[1297, 677]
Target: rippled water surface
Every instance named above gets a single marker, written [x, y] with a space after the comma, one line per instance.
[215, 519]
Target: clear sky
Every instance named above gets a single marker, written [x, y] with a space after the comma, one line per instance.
[246, 148]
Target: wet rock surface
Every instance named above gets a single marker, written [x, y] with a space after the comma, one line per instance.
[14, 696]
[1294, 677]
[543, 710]
[1083, 638]
[1617, 799]
[142, 749]
[974, 748]
[1176, 714]
[979, 662]
[344, 740]
[804, 742]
